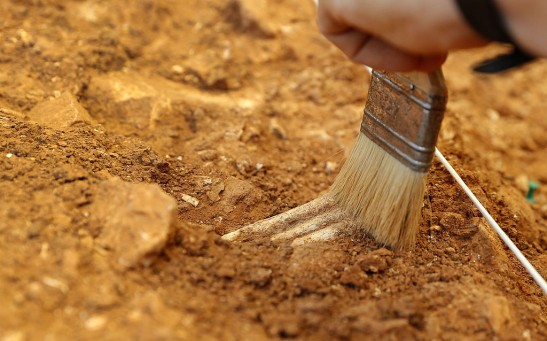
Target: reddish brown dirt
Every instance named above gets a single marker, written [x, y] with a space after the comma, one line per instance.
[242, 108]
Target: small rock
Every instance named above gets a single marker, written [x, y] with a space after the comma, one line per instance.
[226, 270]
[492, 114]
[132, 98]
[457, 225]
[208, 155]
[330, 167]
[237, 191]
[177, 69]
[245, 166]
[277, 130]
[353, 276]
[195, 239]
[260, 276]
[250, 133]
[522, 182]
[286, 181]
[60, 113]
[284, 326]
[214, 193]
[25, 37]
[136, 219]
[449, 250]
[11, 113]
[55, 283]
[498, 313]
[435, 228]
[451, 220]
[372, 263]
[451, 253]
[190, 199]
[95, 323]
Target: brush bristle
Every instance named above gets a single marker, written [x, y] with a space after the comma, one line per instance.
[384, 196]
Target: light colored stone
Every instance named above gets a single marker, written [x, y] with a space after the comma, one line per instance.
[130, 97]
[143, 101]
[136, 220]
[95, 323]
[521, 182]
[237, 190]
[277, 130]
[214, 193]
[498, 313]
[60, 112]
[190, 199]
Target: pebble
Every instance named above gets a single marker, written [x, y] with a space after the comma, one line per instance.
[136, 220]
[177, 69]
[214, 193]
[55, 283]
[95, 323]
[372, 263]
[452, 220]
[451, 253]
[498, 313]
[277, 130]
[190, 199]
[436, 228]
[60, 113]
[260, 276]
[449, 250]
[131, 97]
[330, 167]
[237, 190]
[207, 155]
[521, 182]
[245, 166]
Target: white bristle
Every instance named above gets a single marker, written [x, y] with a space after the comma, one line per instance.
[382, 194]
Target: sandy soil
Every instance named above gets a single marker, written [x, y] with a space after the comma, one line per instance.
[133, 134]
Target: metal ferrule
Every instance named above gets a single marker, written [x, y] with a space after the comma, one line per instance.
[403, 115]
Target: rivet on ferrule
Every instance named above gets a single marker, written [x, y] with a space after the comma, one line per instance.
[403, 115]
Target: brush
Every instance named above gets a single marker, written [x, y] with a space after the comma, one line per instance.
[381, 186]
[382, 182]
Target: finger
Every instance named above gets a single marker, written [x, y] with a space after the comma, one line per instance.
[380, 55]
[326, 23]
[365, 49]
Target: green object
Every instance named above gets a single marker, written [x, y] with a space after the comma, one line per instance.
[532, 187]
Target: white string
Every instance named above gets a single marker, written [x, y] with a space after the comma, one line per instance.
[529, 267]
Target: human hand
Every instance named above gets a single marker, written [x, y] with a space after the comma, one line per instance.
[396, 35]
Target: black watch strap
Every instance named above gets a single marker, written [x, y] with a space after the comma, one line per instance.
[503, 62]
[486, 19]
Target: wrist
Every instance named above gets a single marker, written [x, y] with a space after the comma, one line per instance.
[526, 22]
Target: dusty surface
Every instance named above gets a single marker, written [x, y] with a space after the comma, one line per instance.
[239, 112]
